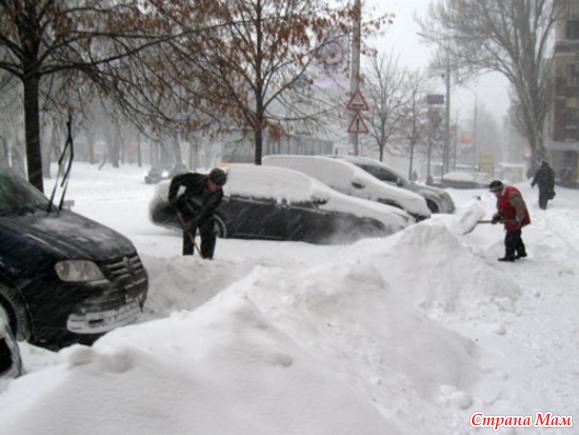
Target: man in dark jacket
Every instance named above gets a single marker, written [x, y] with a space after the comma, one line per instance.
[545, 178]
[196, 207]
[513, 214]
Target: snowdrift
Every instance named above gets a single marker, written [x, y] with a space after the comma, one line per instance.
[222, 369]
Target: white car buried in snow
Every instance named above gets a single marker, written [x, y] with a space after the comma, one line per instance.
[351, 180]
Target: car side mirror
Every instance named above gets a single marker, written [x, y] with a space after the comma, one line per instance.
[399, 182]
[358, 184]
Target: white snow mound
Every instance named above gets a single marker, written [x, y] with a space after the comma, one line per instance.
[223, 368]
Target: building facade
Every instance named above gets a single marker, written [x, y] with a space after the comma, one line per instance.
[563, 125]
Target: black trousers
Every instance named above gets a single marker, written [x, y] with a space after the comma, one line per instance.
[514, 243]
[208, 239]
[544, 195]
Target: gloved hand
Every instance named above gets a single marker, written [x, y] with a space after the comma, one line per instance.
[496, 218]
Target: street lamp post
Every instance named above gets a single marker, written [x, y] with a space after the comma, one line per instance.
[474, 130]
[446, 150]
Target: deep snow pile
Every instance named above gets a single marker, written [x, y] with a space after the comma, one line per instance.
[409, 334]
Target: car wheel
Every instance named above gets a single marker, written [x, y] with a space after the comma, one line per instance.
[220, 228]
[14, 307]
[433, 206]
[10, 361]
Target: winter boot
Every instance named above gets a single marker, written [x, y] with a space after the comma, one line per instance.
[505, 258]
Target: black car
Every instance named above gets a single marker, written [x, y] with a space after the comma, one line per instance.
[63, 278]
[164, 171]
[281, 204]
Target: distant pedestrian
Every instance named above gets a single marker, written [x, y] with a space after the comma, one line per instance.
[196, 207]
[545, 178]
[513, 214]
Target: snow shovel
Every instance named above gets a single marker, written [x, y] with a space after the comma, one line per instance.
[470, 218]
[191, 236]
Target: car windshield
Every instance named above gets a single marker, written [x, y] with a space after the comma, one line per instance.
[379, 173]
[19, 197]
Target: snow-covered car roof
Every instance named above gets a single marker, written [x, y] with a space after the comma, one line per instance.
[341, 175]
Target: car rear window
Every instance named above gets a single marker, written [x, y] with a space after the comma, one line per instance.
[379, 173]
[17, 196]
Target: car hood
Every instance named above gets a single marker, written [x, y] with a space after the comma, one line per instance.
[69, 235]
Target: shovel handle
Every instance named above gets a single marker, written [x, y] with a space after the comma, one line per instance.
[490, 221]
[191, 236]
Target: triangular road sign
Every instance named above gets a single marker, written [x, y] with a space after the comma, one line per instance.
[358, 125]
[357, 102]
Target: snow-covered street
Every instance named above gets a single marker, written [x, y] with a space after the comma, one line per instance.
[411, 334]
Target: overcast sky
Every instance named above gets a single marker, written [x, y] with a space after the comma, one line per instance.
[401, 38]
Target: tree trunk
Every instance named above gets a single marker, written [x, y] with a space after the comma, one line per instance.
[410, 166]
[177, 149]
[258, 145]
[32, 129]
[139, 151]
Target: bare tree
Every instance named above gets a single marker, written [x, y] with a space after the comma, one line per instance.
[387, 96]
[43, 38]
[507, 36]
[415, 124]
[255, 56]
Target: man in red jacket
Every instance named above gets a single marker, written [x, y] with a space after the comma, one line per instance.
[513, 214]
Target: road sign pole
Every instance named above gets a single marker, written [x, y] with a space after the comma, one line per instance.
[355, 72]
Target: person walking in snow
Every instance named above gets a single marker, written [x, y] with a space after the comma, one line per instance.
[545, 178]
[513, 214]
[196, 207]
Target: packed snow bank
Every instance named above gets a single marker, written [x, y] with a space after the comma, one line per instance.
[222, 369]
[432, 268]
[349, 317]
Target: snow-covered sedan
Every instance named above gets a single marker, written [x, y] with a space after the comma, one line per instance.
[351, 180]
[438, 200]
[280, 204]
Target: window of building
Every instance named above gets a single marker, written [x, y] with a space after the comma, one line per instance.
[573, 30]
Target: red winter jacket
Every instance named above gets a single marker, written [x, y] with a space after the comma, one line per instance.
[510, 205]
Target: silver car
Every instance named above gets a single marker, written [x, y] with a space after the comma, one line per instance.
[438, 200]
[349, 179]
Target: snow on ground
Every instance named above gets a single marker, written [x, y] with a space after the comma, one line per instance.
[409, 334]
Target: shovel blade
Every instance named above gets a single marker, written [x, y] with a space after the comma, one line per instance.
[470, 218]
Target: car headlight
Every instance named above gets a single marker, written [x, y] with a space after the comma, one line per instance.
[78, 271]
[165, 174]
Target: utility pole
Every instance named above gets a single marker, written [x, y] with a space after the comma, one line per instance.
[355, 71]
[446, 150]
[429, 149]
[474, 132]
